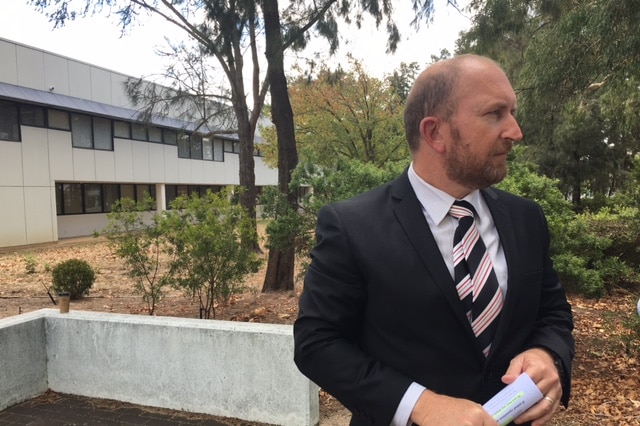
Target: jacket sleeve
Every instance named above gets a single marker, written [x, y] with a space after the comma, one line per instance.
[326, 331]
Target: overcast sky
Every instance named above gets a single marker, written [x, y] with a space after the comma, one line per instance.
[97, 40]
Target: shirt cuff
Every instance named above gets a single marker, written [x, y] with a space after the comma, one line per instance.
[402, 417]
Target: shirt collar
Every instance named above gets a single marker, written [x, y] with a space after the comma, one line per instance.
[435, 202]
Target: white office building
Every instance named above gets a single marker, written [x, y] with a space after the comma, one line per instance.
[70, 145]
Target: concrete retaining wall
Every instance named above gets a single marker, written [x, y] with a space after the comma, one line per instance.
[23, 358]
[232, 369]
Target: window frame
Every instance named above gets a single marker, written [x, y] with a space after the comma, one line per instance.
[10, 122]
[98, 138]
[81, 130]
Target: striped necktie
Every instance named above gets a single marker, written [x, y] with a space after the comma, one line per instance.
[475, 278]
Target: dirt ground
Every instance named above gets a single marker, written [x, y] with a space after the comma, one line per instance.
[606, 375]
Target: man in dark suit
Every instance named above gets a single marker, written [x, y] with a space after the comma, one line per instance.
[385, 324]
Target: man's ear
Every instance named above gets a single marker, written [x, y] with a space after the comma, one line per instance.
[431, 130]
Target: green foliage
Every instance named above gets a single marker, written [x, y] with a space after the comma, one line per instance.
[592, 252]
[74, 276]
[401, 80]
[344, 179]
[205, 237]
[30, 263]
[287, 226]
[524, 180]
[576, 276]
[621, 226]
[196, 246]
[134, 236]
[591, 262]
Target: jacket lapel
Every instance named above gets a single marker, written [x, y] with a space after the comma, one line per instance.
[409, 213]
[505, 227]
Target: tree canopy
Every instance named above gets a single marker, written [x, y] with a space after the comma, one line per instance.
[347, 114]
[575, 68]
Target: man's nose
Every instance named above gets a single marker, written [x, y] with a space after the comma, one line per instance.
[513, 130]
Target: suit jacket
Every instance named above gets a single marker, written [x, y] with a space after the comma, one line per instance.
[379, 308]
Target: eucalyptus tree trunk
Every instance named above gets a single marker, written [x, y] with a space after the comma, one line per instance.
[280, 266]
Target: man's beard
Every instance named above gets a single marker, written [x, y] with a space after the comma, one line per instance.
[469, 171]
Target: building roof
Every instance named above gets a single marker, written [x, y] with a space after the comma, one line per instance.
[51, 99]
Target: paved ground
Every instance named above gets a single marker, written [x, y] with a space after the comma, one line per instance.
[55, 409]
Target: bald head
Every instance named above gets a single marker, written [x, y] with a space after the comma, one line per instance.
[434, 92]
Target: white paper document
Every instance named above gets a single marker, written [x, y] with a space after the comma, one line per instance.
[513, 400]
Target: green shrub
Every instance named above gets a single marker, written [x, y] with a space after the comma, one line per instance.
[134, 237]
[205, 235]
[74, 276]
[577, 277]
[593, 253]
[30, 263]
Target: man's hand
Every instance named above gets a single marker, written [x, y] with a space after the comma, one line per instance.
[439, 410]
[538, 364]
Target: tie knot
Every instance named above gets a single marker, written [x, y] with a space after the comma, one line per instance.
[461, 208]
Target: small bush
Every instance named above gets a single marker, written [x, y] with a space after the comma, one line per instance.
[30, 263]
[74, 276]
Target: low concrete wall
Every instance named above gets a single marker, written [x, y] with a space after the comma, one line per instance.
[23, 358]
[240, 370]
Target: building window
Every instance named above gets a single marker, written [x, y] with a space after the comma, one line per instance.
[81, 134]
[128, 191]
[218, 150]
[137, 193]
[58, 119]
[9, 127]
[232, 146]
[111, 193]
[155, 134]
[59, 200]
[139, 132]
[196, 147]
[169, 137]
[71, 194]
[102, 134]
[93, 198]
[183, 146]
[121, 129]
[144, 191]
[196, 190]
[207, 149]
[170, 194]
[79, 198]
[31, 115]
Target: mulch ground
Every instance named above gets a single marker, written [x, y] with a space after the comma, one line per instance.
[606, 376]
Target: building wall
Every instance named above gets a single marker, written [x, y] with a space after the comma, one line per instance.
[37, 69]
[30, 168]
